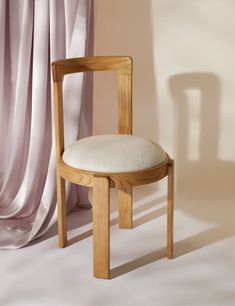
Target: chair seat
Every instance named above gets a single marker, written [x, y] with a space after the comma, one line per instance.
[114, 153]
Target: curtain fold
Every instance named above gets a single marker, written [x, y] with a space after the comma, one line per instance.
[33, 34]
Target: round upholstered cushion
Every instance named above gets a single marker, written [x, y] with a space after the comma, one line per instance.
[113, 153]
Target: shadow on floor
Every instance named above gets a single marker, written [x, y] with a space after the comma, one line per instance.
[81, 217]
[137, 263]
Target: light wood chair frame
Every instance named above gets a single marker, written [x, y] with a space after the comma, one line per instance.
[101, 182]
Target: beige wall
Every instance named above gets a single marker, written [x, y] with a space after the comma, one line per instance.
[184, 76]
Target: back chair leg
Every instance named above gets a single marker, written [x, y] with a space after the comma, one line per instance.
[170, 208]
[125, 207]
[101, 227]
[62, 212]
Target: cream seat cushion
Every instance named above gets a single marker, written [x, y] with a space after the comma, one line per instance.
[113, 153]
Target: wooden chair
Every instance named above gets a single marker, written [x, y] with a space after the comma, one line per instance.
[101, 162]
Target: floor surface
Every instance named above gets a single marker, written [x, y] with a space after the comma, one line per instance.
[202, 272]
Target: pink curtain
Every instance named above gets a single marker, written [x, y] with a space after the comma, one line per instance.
[33, 34]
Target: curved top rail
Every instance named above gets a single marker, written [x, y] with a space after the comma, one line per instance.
[121, 64]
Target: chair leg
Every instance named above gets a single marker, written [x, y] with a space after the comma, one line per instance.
[101, 230]
[62, 212]
[125, 207]
[170, 209]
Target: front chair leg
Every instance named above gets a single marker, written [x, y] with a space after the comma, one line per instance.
[125, 207]
[170, 208]
[62, 212]
[101, 230]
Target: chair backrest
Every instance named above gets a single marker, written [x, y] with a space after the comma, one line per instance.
[121, 64]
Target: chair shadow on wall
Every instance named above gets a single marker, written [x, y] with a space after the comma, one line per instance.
[205, 186]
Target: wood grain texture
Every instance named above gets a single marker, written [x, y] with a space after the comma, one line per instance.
[59, 119]
[76, 176]
[141, 177]
[125, 104]
[125, 207]
[59, 131]
[101, 182]
[62, 212]
[170, 209]
[120, 64]
[101, 223]
[119, 180]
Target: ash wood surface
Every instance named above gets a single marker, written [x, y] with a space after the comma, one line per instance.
[141, 177]
[102, 182]
[120, 64]
[125, 207]
[170, 209]
[62, 212]
[125, 104]
[74, 175]
[59, 119]
[61, 199]
[101, 231]
[119, 180]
